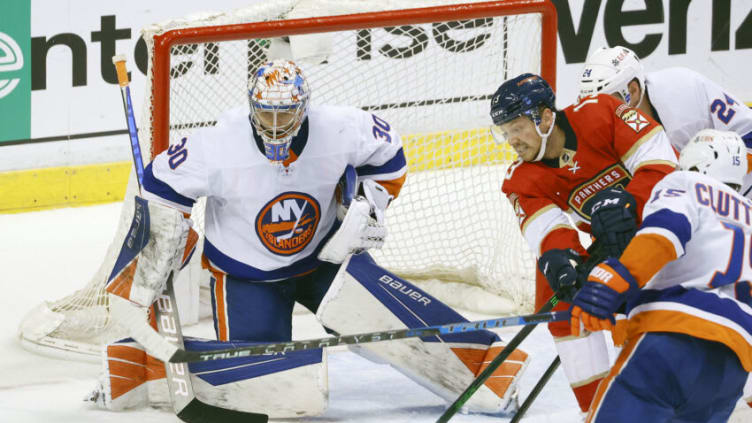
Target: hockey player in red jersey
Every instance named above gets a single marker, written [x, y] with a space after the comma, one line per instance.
[596, 152]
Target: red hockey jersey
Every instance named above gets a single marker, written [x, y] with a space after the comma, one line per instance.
[607, 144]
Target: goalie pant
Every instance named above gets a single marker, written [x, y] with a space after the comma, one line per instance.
[361, 297]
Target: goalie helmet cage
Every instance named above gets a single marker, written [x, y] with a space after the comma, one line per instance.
[428, 70]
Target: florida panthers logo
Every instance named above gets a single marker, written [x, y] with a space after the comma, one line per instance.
[287, 223]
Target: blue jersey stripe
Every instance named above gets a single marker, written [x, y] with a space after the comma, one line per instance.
[162, 190]
[245, 271]
[677, 223]
[747, 140]
[392, 165]
[701, 300]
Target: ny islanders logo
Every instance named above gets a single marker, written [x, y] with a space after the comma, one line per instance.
[287, 223]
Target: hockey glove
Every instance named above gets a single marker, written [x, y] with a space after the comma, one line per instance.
[358, 232]
[613, 220]
[558, 266]
[608, 286]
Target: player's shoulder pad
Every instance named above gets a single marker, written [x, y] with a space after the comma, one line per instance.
[591, 112]
[523, 178]
[597, 103]
[347, 122]
[334, 115]
[679, 179]
[229, 125]
[678, 74]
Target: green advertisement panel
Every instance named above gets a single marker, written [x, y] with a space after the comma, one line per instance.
[15, 70]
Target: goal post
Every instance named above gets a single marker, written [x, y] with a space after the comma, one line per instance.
[427, 67]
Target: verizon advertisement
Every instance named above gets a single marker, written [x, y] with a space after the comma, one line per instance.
[60, 104]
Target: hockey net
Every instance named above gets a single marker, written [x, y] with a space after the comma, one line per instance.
[430, 72]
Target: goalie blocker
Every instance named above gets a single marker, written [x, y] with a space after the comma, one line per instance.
[158, 242]
[363, 297]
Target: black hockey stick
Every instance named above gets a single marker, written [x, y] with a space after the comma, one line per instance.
[181, 355]
[187, 407]
[496, 362]
[536, 390]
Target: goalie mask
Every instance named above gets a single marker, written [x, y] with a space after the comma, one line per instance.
[279, 96]
[609, 71]
[719, 154]
[522, 96]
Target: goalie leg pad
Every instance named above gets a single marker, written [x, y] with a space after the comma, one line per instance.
[288, 385]
[365, 297]
[126, 375]
[293, 384]
[153, 247]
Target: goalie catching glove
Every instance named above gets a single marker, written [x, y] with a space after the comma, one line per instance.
[363, 226]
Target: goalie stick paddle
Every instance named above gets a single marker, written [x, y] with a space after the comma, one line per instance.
[182, 355]
[187, 407]
[496, 362]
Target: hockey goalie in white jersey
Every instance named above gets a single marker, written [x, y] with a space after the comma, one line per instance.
[283, 219]
[685, 279]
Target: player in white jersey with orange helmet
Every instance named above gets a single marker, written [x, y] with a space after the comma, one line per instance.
[680, 99]
[684, 278]
[278, 232]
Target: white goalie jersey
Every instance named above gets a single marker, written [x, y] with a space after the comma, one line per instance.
[267, 221]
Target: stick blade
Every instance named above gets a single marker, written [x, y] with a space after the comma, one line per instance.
[200, 412]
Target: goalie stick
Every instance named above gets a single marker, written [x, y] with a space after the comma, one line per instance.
[181, 355]
[187, 407]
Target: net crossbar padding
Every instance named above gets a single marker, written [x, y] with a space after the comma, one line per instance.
[428, 71]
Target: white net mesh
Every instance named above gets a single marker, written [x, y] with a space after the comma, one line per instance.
[432, 81]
